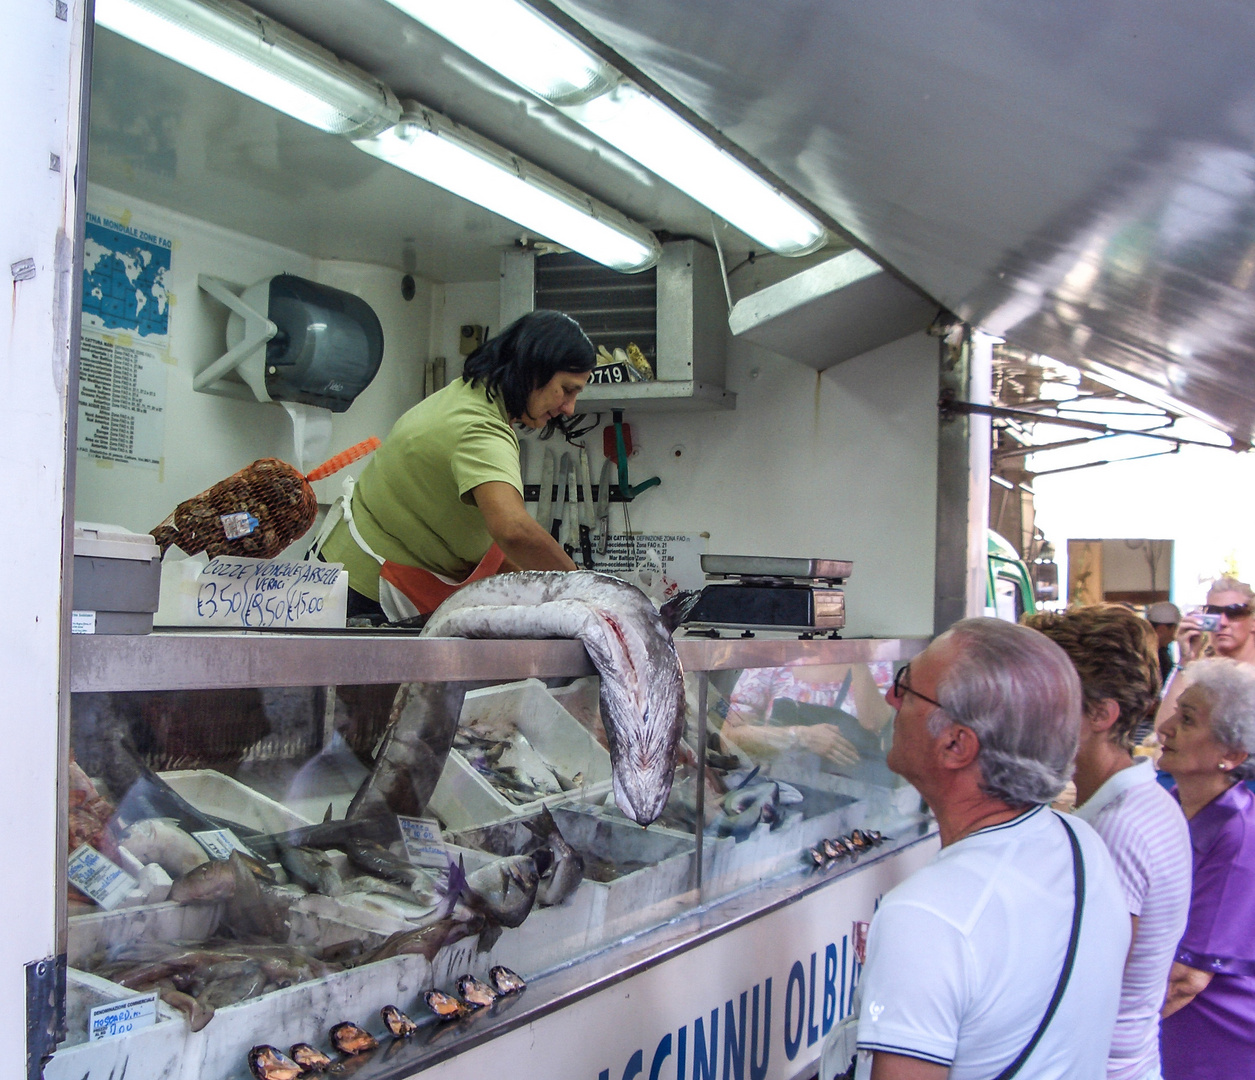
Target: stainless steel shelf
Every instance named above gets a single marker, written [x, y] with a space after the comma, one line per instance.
[200, 660]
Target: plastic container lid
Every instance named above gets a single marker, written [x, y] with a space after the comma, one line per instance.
[95, 540]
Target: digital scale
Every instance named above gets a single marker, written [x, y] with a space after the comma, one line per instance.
[761, 592]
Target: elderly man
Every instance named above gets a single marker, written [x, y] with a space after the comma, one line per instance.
[1003, 957]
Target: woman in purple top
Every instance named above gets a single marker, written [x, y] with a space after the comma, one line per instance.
[1209, 1015]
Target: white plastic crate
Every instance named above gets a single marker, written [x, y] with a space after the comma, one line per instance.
[219, 795]
[464, 799]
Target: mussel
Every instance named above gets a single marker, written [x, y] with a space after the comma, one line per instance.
[476, 993]
[351, 1039]
[271, 1063]
[310, 1058]
[815, 856]
[505, 981]
[834, 848]
[398, 1024]
[446, 1006]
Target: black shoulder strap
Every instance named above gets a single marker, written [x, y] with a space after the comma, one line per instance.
[1078, 874]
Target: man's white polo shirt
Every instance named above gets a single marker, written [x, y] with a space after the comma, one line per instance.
[963, 957]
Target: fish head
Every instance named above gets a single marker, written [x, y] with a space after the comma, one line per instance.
[643, 730]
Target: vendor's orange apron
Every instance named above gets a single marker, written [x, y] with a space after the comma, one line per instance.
[405, 591]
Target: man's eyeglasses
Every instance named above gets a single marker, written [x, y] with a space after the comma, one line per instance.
[901, 689]
[1229, 611]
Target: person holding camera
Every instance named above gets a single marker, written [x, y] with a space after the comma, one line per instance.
[1228, 618]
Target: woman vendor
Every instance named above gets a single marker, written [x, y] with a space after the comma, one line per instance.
[440, 502]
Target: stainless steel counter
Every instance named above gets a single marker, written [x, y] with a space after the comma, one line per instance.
[175, 660]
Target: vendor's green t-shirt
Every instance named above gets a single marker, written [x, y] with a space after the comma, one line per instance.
[412, 503]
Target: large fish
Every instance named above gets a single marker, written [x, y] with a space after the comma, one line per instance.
[642, 685]
[642, 697]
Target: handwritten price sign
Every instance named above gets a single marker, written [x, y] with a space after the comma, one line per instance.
[264, 593]
[122, 1017]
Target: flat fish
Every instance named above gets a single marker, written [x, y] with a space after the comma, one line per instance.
[642, 684]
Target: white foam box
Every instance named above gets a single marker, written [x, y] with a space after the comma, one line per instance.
[463, 799]
[302, 1013]
[656, 883]
[220, 795]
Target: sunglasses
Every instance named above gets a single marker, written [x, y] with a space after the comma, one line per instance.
[1229, 611]
[901, 689]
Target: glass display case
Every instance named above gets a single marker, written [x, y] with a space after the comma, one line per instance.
[225, 894]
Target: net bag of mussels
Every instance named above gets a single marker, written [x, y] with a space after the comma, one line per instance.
[255, 513]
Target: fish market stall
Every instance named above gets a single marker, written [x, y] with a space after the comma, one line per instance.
[520, 899]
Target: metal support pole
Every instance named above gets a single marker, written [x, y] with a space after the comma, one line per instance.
[703, 686]
[963, 450]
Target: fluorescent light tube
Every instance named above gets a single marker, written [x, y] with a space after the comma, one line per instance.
[645, 129]
[526, 48]
[509, 37]
[243, 50]
[437, 150]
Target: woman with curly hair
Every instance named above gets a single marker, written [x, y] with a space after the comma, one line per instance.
[1209, 1014]
[1115, 654]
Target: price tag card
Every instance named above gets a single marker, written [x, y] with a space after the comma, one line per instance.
[122, 1017]
[424, 846]
[99, 877]
[219, 843]
[258, 594]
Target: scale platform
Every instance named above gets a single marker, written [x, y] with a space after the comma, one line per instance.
[756, 592]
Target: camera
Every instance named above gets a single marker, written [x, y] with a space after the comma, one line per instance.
[1210, 623]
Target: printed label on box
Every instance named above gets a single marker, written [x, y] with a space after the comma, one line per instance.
[99, 877]
[122, 1017]
[219, 843]
[424, 846]
[82, 622]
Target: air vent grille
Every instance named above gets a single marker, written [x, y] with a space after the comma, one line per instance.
[613, 308]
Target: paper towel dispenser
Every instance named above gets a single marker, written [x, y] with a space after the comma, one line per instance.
[290, 339]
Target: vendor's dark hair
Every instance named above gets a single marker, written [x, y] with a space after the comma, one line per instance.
[525, 356]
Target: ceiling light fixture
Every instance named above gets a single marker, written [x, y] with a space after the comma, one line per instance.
[243, 50]
[526, 48]
[434, 148]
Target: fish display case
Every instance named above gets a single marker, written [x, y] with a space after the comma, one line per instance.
[224, 892]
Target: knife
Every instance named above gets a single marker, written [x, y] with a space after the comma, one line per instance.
[603, 506]
[544, 501]
[584, 495]
[564, 474]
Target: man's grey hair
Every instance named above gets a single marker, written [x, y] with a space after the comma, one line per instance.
[1019, 692]
[1230, 689]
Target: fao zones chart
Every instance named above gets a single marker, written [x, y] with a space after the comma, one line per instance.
[121, 401]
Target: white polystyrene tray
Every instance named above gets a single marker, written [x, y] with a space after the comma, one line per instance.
[222, 796]
[464, 799]
[302, 1013]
